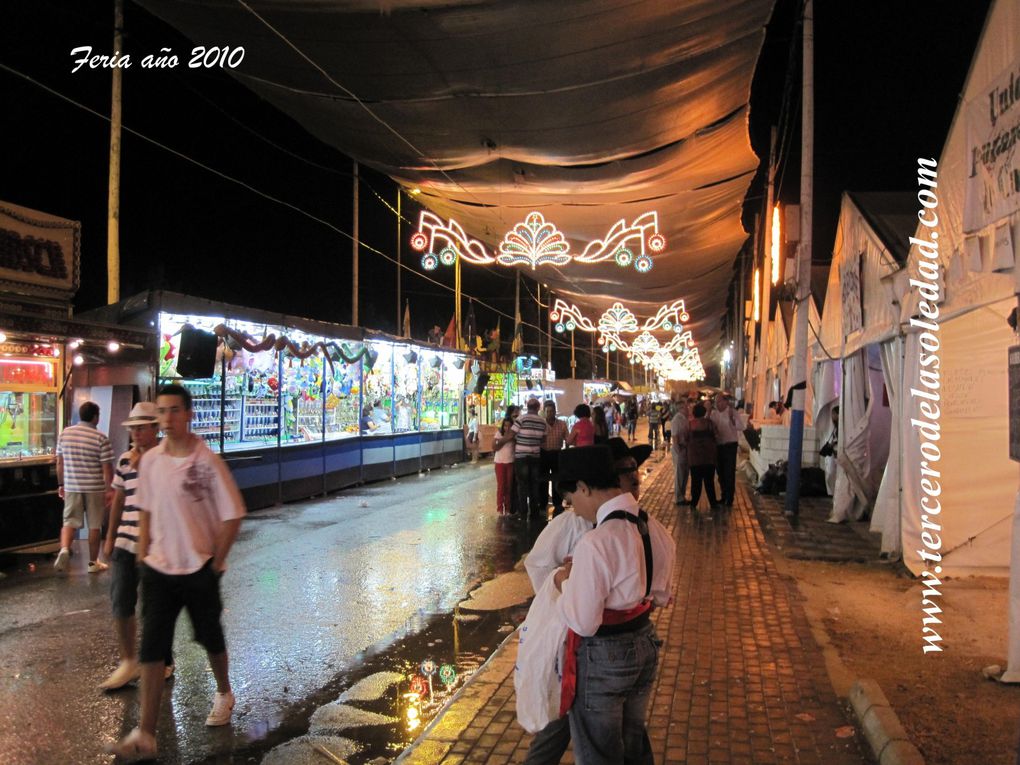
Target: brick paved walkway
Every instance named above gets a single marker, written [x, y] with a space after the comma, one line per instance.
[741, 679]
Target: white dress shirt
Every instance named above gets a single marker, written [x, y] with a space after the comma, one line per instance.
[609, 568]
[557, 541]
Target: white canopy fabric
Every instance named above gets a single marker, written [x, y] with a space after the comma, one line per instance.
[588, 111]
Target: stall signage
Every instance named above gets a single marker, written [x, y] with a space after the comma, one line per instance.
[39, 253]
[25, 349]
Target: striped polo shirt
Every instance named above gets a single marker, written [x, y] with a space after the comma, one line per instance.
[125, 479]
[530, 430]
[84, 450]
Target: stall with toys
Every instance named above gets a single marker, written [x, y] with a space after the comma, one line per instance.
[299, 407]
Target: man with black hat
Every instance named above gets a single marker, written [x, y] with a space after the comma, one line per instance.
[618, 570]
[553, 549]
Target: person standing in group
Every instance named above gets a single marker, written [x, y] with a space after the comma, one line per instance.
[654, 418]
[122, 543]
[599, 423]
[555, 438]
[473, 444]
[619, 570]
[530, 430]
[84, 474]
[701, 456]
[681, 430]
[583, 432]
[632, 418]
[503, 459]
[191, 511]
[728, 426]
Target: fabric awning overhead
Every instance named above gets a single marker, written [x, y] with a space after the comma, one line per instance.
[587, 111]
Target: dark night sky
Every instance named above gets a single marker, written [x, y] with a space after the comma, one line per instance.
[888, 74]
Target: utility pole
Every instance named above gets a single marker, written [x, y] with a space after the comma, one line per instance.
[113, 198]
[355, 255]
[738, 362]
[749, 370]
[798, 369]
[400, 319]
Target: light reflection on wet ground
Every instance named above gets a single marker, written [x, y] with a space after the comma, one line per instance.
[319, 595]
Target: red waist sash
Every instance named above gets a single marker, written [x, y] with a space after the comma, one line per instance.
[568, 686]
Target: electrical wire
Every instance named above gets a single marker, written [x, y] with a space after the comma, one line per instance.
[243, 184]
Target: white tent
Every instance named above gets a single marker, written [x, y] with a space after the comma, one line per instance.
[977, 227]
[858, 349]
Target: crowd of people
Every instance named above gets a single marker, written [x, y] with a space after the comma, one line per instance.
[701, 435]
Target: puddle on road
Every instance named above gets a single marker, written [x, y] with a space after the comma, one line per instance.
[462, 642]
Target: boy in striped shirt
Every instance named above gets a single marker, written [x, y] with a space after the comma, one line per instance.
[122, 545]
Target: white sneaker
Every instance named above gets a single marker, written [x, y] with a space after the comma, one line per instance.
[222, 707]
[97, 567]
[127, 671]
[63, 558]
[134, 747]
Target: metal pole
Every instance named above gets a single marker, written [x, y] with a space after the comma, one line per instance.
[113, 198]
[456, 309]
[355, 256]
[400, 319]
[573, 361]
[798, 367]
[738, 366]
[749, 370]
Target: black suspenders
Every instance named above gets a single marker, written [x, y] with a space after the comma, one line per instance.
[641, 521]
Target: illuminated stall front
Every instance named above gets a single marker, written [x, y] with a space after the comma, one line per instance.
[299, 407]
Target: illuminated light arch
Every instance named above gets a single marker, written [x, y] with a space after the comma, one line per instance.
[628, 244]
[674, 314]
[534, 242]
[565, 314]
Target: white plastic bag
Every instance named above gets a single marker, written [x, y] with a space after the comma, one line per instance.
[539, 667]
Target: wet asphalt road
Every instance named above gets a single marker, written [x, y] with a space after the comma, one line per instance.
[311, 587]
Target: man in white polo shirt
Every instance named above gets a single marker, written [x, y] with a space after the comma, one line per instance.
[728, 427]
[84, 474]
[191, 511]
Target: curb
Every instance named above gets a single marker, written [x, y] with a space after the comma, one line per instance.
[425, 748]
[881, 726]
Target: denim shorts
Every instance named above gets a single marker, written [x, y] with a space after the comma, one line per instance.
[163, 597]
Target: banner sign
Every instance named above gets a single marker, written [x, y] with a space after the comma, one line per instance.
[39, 253]
[993, 162]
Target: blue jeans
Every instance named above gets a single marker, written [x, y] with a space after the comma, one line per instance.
[550, 743]
[614, 682]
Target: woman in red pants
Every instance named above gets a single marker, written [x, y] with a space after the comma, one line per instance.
[503, 444]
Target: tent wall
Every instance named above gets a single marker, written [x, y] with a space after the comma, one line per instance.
[977, 479]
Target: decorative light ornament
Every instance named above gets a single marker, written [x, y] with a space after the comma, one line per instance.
[448, 675]
[448, 256]
[776, 244]
[624, 257]
[617, 319]
[570, 316]
[641, 236]
[113, 346]
[433, 234]
[429, 262]
[535, 242]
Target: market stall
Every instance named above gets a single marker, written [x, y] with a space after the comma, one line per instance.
[299, 407]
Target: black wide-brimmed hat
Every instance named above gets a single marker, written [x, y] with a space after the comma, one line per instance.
[585, 463]
[620, 450]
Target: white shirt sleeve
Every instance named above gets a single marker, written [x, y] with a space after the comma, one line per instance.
[553, 546]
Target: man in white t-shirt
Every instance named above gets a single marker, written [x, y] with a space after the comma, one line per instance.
[191, 511]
